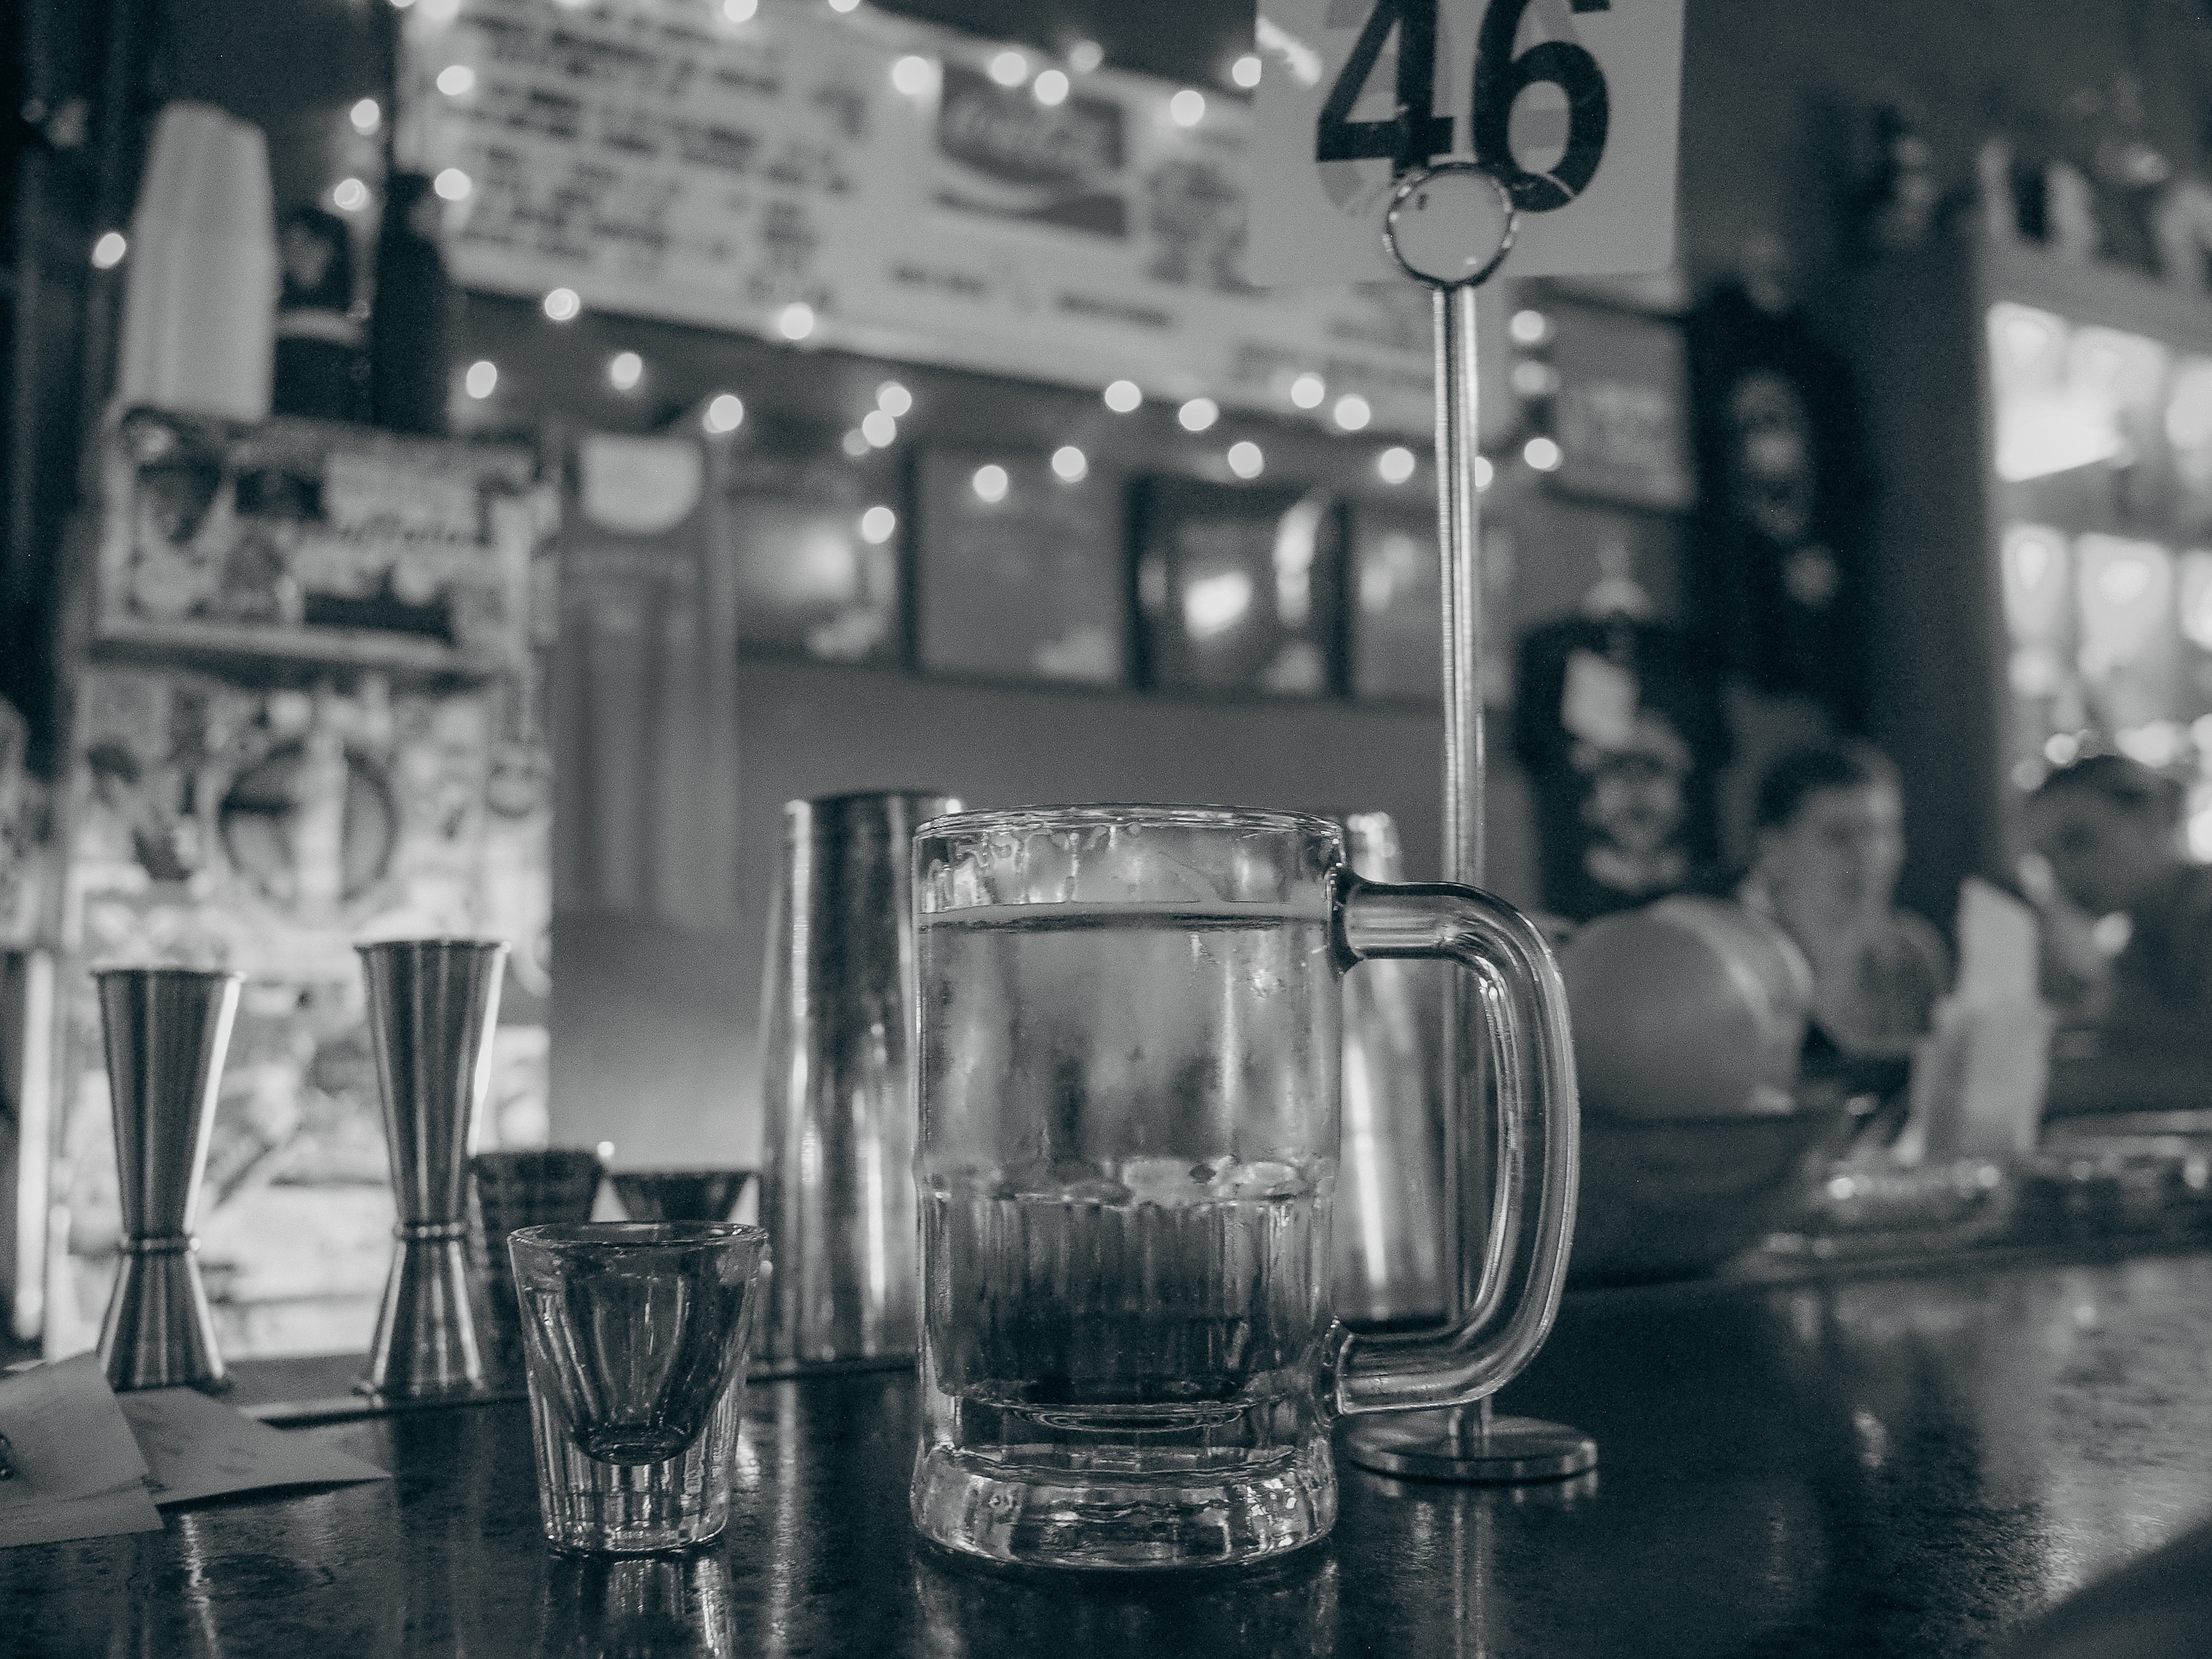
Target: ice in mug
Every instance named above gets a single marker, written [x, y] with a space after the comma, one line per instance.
[1156, 1315]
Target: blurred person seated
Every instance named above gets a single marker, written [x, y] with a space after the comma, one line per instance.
[2136, 1026]
[1831, 844]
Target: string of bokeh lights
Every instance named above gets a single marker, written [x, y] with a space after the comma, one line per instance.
[919, 76]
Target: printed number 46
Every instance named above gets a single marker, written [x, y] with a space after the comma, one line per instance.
[1417, 134]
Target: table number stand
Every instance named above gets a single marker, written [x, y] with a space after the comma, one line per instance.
[1449, 227]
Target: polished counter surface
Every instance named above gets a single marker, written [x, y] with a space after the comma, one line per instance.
[1899, 1461]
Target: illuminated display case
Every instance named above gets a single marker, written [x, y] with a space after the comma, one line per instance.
[2042, 436]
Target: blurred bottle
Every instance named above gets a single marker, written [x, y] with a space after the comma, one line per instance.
[199, 307]
[321, 368]
[407, 332]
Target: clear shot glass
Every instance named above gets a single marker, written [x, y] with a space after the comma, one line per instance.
[634, 1336]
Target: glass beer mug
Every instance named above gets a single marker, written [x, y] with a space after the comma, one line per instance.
[1130, 1072]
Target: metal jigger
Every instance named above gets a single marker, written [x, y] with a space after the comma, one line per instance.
[1449, 227]
[166, 1031]
[432, 1004]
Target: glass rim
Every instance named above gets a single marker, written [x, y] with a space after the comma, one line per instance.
[434, 942]
[105, 969]
[637, 1235]
[1161, 814]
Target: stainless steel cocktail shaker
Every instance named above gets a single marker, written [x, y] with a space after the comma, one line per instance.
[837, 1029]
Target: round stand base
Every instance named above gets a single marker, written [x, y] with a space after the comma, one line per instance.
[1452, 1445]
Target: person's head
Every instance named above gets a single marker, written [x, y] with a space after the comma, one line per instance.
[1831, 826]
[1635, 799]
[2108, 826]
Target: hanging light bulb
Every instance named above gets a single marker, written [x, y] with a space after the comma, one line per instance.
[726, 411]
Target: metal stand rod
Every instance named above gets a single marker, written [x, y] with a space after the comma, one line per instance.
[1468, 1443]
[1459, 529]
[1459, 540]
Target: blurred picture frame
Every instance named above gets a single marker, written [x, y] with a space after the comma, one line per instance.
[1620, 408]
[1020, 567]
[1396, 603]
[1240, 588]
[814, 550]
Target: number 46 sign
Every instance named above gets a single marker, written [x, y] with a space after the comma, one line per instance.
[1572, 104]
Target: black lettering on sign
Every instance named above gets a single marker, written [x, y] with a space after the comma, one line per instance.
[1500, 77]
[1417, 131]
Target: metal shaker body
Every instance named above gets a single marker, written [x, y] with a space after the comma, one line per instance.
[837, 1031]
[432, 1006]
[1387, 1224]
[166, 1030]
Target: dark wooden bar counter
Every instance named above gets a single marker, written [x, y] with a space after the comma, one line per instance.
[1902, 1462]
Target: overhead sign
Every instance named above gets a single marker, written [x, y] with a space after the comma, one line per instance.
[868, 183]
[1573, 104]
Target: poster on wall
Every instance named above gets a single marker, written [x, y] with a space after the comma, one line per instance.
[879, 185]
[27, 862]
[811, 544]
[644, 687]
[317, 541]
[1621, 409]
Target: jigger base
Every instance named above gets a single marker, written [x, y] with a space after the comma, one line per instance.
[1452, 1445]
[434, 1333]
[158, 1333]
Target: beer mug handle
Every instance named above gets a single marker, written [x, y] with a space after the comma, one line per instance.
[1532, 1222]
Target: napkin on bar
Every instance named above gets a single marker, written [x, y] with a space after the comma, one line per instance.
[1979, 1077]
[78, 1471]
[200, 1448]
[89, 1463]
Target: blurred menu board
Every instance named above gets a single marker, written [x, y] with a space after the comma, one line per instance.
[879, 185]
